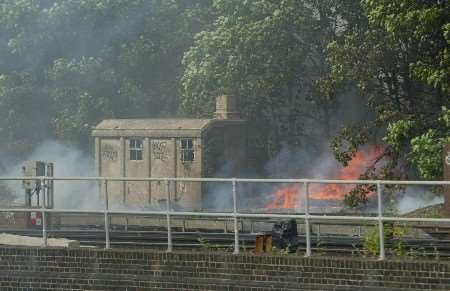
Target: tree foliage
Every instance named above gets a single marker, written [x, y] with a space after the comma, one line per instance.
[66, 65]
[268, 54]
[302, 70]
[398, 61]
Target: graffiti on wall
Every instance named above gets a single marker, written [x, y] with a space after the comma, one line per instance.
[160, 150]
[109, 153]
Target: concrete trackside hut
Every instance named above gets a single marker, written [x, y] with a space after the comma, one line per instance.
[169, 148]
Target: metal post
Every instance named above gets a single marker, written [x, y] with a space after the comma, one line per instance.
[50, 186]
[43, 213]
[44, 228]
[307, 226]
[28, 200]
[380, 221]
[235, 218]
[169, 229]
[38, 190]
[43, 190]
[107, 241]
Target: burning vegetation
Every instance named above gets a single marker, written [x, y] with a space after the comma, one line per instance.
[363, 161]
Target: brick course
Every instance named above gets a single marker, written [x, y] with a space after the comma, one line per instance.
[132, 270]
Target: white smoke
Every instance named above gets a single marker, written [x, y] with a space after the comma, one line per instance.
[68, 161]
[415, 198]
[300, 164]
[71, 161]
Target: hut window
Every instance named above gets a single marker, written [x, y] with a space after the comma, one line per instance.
[135, 149]
[187, 150]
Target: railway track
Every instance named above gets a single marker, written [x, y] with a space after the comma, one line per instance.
[185, 236]
[216, 240]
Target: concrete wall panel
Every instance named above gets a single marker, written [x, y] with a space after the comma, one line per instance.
[162, 164]
[188, 194]
[110, 166]
[137, 193]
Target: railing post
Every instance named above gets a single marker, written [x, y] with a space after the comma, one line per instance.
[44, 216]
[380, 221]
[107, 240]
[169, 228]
[44, 228]
[43, 192]
[307, 224]
[235, 218]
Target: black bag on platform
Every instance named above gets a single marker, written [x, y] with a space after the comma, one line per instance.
[284, 235]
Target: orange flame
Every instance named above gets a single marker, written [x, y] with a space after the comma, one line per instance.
[286, 197]
[290, 196]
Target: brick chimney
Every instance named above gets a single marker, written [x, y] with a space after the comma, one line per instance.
[226, 108]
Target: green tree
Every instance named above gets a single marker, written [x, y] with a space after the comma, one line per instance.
[73, 63]
[426, 25]
[396, 55]
[268, 54]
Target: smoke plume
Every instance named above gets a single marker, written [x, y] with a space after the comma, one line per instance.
[68, 161]
[414, 198]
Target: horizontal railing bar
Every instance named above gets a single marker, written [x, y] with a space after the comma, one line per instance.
[172, 213]
[226, 214]
[314, 181]
[416, 219]
[122, 212]
[53, 210]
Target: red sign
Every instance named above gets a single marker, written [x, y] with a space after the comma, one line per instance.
[36, 218]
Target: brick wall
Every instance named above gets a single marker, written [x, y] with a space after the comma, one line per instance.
[95, 269]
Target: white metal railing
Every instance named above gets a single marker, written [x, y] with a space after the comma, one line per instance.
[235, 214]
